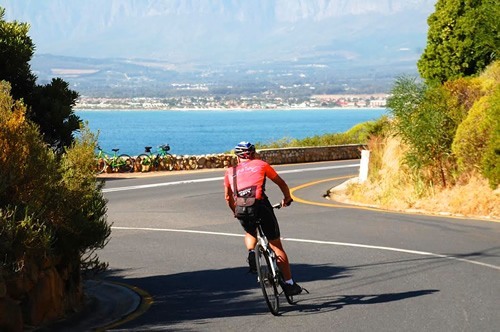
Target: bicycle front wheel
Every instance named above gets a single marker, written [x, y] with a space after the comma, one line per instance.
[100, 165]
[267, 280]
[125, 163]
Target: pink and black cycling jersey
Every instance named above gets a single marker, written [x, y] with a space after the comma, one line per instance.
[251, 173]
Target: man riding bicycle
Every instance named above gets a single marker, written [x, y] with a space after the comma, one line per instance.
[250, 176]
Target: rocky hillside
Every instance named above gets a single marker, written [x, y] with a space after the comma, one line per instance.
[227, 30]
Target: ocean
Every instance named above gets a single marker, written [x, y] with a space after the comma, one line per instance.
[197, 132]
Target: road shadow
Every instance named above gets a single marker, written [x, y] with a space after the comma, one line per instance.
[198, 296]
[324, 304]
[109, 178]
[201, 295]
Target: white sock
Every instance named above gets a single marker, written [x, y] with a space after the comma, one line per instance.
[289, 281]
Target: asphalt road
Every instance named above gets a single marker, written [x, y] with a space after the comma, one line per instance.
[174, 237]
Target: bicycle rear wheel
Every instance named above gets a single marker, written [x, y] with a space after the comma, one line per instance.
[125, 163]
[267, 280]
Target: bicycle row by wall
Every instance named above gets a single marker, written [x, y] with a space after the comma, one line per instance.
[272, 156]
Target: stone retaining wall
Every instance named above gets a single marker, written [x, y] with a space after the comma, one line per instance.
[311, 154]
[272, 156]
[40, 293]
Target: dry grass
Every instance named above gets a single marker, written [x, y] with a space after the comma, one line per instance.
[474, 198]
[390, 186]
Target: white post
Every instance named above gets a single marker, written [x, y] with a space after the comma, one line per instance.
[363, 167]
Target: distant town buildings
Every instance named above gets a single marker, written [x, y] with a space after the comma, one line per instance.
[211, 102]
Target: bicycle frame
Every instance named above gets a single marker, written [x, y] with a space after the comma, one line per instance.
[106, 156]
[264, 242]
[154, 159]
[122, 163]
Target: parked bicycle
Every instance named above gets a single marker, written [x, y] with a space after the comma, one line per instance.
[159, 160]
[269, 276]
[117, 163]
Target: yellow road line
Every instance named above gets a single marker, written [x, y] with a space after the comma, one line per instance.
[310, 184]
[146, 302]
[369, 208]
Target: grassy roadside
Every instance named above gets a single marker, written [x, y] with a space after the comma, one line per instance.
[389, 187]
[359, 134]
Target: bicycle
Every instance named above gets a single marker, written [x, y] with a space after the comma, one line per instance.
[159, 160]
[269, 275]
[119, 163]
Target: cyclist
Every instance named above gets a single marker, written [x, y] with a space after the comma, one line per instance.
[252, 173]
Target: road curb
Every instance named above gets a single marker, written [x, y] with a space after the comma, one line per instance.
[107, 304]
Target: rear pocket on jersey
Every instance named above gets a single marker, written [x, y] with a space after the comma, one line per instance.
[246, 205]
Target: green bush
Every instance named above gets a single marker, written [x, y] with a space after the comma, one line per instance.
[464, 92]
[476, 142]
[472, 137]
[50, 205]
[490, 163]
[424, 122]
[22, 235]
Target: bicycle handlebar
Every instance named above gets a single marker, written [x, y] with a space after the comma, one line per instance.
[278, 205]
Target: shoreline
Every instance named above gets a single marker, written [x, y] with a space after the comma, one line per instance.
[231, 109]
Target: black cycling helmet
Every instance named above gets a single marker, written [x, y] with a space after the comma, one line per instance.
[244, 150]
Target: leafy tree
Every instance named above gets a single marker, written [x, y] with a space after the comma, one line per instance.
[423, 121]
[16, 50]
[54, 114]
[463, 38]
[50, 106]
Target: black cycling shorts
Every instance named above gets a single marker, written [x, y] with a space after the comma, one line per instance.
[268, 221]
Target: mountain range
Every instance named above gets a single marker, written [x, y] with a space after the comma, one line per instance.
[179, 35]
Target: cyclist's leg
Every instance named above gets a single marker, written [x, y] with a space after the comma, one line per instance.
[250, 241]
[282, 258]
[289, 286]
[271, 228]
[250, 233]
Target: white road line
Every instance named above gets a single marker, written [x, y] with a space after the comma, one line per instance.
[219, 178]
[344, 244]
[163, 184]
[414, 252]
[175, 231]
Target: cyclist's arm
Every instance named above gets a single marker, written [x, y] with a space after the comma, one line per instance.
[228, 193]
[287, 197]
